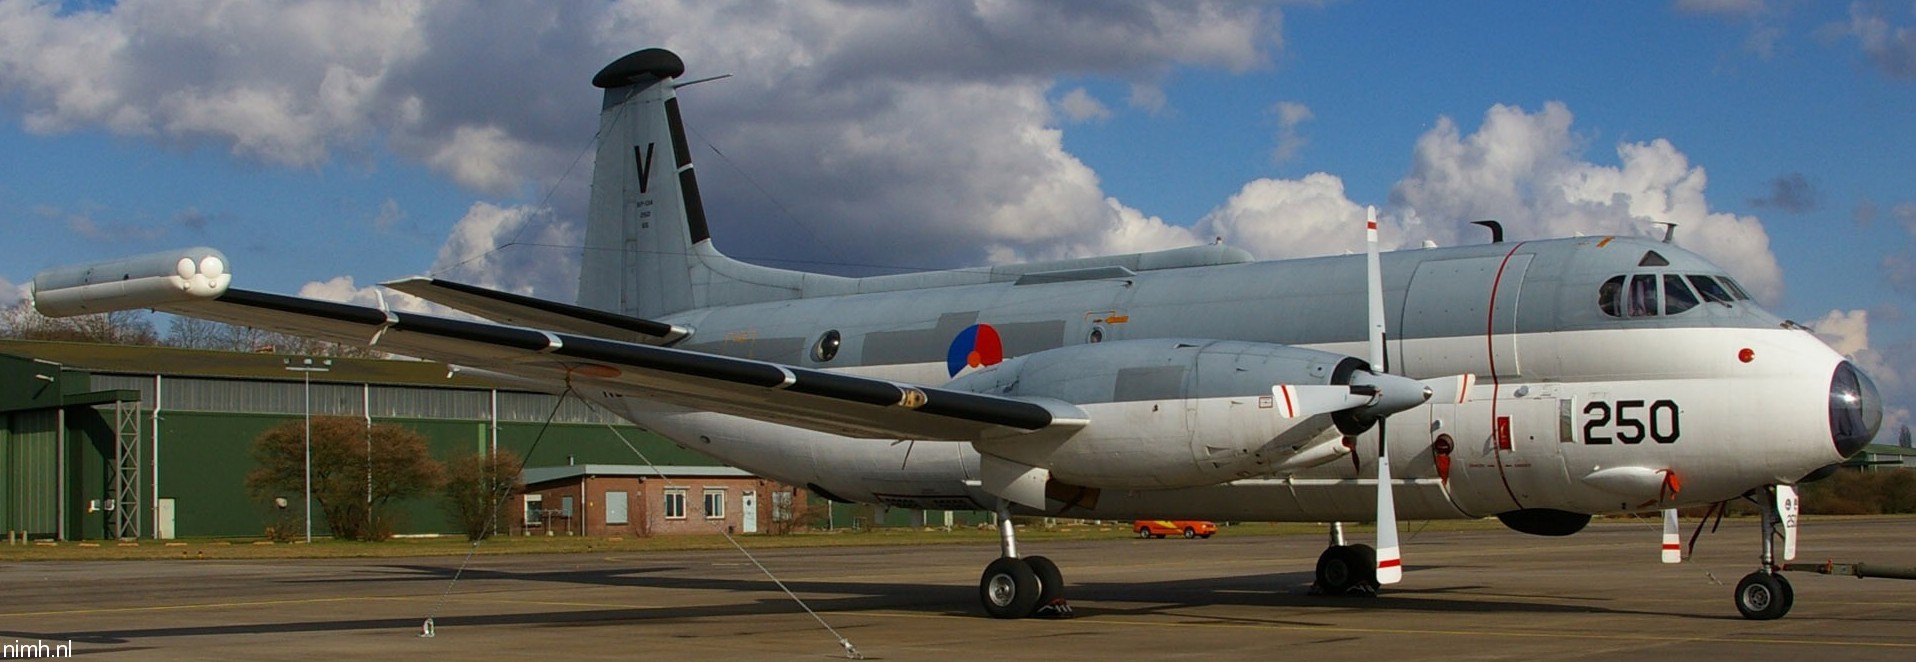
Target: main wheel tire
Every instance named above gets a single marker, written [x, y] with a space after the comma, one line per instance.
[1343, 568]
[1050, 580]
[1789, 592]
[1189, 533]
[1008, 589]
[1763, 596]
[1144, 532]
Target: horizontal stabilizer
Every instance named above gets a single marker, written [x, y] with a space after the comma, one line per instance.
[521, 310]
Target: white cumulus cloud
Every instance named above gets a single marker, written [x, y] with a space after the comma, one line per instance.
[1080, 106]
[1527, 170]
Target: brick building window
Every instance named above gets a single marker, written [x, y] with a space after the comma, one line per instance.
[675, 504]
[714, 503]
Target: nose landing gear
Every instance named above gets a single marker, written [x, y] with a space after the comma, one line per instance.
[1765, 595]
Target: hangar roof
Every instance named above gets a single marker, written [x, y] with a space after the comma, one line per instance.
[171, 361]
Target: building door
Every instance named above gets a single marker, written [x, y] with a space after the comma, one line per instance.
[163, 520]
[748, 512]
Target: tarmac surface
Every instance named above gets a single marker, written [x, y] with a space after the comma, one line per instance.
[1467, 595]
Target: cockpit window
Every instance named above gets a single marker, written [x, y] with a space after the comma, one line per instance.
[1643, 295]
[1710, 290]
[1676, 296]
[1653, 259]
[1734, 288]
[1608, 298]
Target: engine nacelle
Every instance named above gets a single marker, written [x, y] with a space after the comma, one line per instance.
[1168, 413]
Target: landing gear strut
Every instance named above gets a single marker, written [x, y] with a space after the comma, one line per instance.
[1345, 569]
[1014, 587]
[1765, 595]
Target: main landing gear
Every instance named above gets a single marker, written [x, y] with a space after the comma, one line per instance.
[1345, 569]
[1014, 587]
[1765, 595]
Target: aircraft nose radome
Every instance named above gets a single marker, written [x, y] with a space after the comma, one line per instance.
[1856, 409]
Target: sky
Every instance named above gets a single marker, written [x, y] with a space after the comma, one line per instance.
[328, 146]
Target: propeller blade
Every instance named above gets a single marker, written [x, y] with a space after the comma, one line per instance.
[1390, 563]
[1374, 276]
[1672, 539]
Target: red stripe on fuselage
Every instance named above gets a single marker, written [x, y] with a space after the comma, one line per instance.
[1490, 356]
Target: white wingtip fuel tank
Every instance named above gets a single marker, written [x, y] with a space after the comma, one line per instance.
[146, 281]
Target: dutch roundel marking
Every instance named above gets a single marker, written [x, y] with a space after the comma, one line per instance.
[1631, 422]
[975, 347]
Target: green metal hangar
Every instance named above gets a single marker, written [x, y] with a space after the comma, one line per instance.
[123, 442]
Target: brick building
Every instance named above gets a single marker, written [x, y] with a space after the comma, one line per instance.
[645, 500]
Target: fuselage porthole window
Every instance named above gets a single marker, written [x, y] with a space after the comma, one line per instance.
[1677, 297]
[1643, 296]
[1096, 335]
[1609, 297]
[826, 348]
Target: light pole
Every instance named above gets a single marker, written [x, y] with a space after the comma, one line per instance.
[306, 370]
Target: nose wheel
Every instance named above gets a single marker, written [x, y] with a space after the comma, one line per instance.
[1765, 595]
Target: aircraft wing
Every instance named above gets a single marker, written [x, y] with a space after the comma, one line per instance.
[814, 399]
[194, 283]
[521, 310]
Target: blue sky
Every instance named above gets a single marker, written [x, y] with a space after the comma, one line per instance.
[329, 146]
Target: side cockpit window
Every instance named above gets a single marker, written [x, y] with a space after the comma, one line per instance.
[1610, 297]
[1735, 289]
[1711, 290]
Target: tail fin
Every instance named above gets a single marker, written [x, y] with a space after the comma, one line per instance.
[648, 252]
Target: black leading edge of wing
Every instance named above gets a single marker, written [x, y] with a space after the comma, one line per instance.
[932, 401]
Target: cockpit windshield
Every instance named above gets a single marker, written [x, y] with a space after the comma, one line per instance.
[1652, 295]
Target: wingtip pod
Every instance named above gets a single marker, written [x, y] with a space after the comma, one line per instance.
[146, 281]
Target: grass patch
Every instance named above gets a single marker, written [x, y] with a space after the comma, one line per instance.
[254, 548]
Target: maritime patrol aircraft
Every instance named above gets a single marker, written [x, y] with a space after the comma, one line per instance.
[1540, 382]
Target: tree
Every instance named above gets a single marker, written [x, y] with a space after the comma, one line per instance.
[120, 327]
[476, 489]
[194, 333]
[399, 467]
